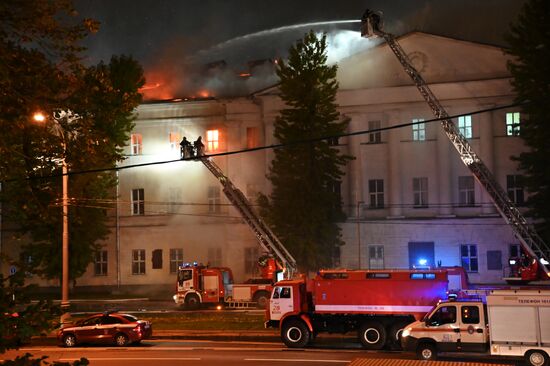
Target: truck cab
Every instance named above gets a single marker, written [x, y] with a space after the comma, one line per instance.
[452, 326]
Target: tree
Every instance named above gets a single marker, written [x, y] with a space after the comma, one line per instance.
[41, 70]
[529, 41]
[305, 206]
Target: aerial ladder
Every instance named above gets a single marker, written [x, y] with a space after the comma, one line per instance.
[267, 239]
[532, 244]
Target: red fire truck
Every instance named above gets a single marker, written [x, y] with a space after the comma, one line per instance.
[377, 304]
[198, 285]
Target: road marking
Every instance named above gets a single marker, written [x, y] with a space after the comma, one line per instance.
[295, 360]
[133, 359]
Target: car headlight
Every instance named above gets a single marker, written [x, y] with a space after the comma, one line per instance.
[406, 332]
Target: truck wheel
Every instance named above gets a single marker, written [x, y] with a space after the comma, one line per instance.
[261, 298]
[295, 334]
[536, 358]
[192, 302]
[394, 335]
[372, 335]
[426, 352]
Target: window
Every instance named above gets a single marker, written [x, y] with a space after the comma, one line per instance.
[419, 129]
[176, 257]
[251, 256]
[285, 293]
[252, 137]
[512, 124]
[494, 260]
[376, 256]
[468, 253]
[333, 141]
[215, 257]
[376, 136]
[214, 199]
[420, 192]
[212, 140]
[174, 138]
[422, 276]
[465, 126]
[466, 194]
[138, 261]
[444, 315]
[514, 186]
[376, 193]
[157, 259]
[515, 251]
[174, 199]
[135, 144]
[138, 201]
[100, 263]
[470, 315]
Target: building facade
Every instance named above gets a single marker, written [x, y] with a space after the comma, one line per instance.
[410, 200]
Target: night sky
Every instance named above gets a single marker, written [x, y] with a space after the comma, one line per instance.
[170, 38]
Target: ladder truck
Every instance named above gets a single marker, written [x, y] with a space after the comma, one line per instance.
[536, 267]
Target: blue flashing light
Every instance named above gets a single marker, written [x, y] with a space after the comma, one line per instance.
[422, 261]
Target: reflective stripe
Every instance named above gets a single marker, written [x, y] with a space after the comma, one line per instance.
[377, 308]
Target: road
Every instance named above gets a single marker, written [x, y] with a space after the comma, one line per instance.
[206, 353]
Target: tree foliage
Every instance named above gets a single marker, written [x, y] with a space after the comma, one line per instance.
[529, 41]
[41, 69]
[305, 206]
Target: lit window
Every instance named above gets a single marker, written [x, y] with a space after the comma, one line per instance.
[138, 201]
[419, 129]
[100, 263]
[135, 144]
[512, 124]
[465, 126]
[376, 136]
[420, 192]
[468, 253]
[212, 140]
[466, 194]
[376, 193]
[138, 261]
[174, 141]
[514, 186]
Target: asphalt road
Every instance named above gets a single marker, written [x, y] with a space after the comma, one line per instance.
[206, 353]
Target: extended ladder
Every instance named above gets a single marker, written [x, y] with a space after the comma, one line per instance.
[267, 239]
[530, 241]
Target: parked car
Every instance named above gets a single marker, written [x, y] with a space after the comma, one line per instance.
[111, 328]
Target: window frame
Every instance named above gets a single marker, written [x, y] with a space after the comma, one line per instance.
[137, 197]
[465, 126]
[466, 257]
[515, 188]
[138, 262]
[418, 129]
[376, 193]
[420, 192]
[176, 257]
[376, 136]
[136, 144]
[513, 123]
[466, 191]
[214, 199]
[377, 258]
[101, 263]
[212, 140]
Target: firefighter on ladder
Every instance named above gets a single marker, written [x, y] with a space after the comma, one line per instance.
[199, 147]
[186, 149]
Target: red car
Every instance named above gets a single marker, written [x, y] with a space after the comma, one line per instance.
[112, 328]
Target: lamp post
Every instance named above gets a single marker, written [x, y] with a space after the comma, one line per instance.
[58, 129]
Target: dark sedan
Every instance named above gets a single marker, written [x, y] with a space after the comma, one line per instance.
[109, 328]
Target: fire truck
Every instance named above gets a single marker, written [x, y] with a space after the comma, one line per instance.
[536, 265]
[198, 285]
[377, 304]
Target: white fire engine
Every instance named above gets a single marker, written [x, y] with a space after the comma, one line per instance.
[377, 304]
[509, 323]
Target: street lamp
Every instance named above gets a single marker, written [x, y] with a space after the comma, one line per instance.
[58, 129]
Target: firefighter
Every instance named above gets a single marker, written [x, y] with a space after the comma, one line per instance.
[199, 146]
[185, 148]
